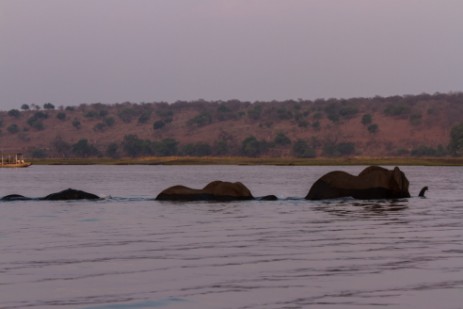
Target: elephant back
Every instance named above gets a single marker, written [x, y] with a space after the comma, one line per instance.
[179, 193]
[228, 189]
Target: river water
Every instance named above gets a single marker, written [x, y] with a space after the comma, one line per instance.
[130, 251]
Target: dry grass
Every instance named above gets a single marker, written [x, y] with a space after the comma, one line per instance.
[392, 161]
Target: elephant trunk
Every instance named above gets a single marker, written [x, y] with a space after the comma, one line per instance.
[423, 191]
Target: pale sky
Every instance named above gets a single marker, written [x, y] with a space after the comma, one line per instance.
[69, 52]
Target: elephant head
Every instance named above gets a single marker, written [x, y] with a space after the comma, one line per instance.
[374, 182]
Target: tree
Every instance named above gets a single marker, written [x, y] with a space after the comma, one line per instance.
[84, 149]
[167, 147]
[61, 147]
[127, 114]
[199, 149]
[14, 113]
[13, 129]
[335, 150]
[48, 106]
[158, 125]
[61, 116]
[144, 117]
[281, 139]
[251, 147]
[112, 150]
[25, 107]
[76, 123]
[133, 145]
[39, 153]
[456, 140]
[367, 119]
[373, 128]
[200, 120]
[302, 150]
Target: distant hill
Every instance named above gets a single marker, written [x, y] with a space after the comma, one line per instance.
[415, 125]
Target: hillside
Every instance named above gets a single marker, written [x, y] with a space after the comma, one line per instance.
[380, 126]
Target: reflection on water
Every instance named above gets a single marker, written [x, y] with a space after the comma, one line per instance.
[363, 208]
[130, 251]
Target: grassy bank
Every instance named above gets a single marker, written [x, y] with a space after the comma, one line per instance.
[447, 161]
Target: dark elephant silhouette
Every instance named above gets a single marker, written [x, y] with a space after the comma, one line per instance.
[214, 191]
[373, 182]
[68, 194]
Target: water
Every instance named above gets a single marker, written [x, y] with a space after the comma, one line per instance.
[130, 251]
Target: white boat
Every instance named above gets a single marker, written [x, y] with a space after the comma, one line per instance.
[15, 160]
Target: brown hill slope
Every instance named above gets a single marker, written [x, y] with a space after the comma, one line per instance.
[360, 126]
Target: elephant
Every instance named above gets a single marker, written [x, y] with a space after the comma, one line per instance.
[68, 194]
[374, 182]
[15, 197]
[214, 191]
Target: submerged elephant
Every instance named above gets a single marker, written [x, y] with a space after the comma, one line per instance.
[68, 194]
[214, 191]
[374, 182]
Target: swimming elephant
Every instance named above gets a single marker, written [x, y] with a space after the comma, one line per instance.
[374, 182]
[15, 197]
[68, 194]
[214, 191]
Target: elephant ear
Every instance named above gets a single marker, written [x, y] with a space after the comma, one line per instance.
[400, 179]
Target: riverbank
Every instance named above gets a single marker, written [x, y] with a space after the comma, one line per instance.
[442, 161]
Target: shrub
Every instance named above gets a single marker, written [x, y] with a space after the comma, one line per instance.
[373, 128]
[84, 149]
[251, 147]
[109, 121]
[397, 109]
[167, 147]
[14, 113]
[112, 150]
[200, 120]
[157, 125]
[76, 123]
[36, 120]
[302, 150]
[61, 116]
[336, 150]
[255, 112]
[39, 153]
[99, 127]
[134, 146]
[367, 119]
[48, 106]
[456, 140]
[348, 111]
[425, 151]
[284, 114]
[415, 119]
[281, 139]
[127, 114]
[197, 149]
[91, 114]
[13, 129]
[144, 117]
[221, 147]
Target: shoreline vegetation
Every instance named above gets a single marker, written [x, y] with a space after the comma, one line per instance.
[283, 161]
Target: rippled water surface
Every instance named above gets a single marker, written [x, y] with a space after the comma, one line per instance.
[130, 251]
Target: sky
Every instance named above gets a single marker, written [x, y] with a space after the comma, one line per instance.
[69, 52]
